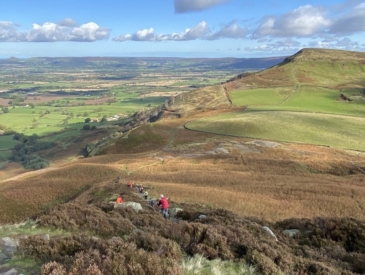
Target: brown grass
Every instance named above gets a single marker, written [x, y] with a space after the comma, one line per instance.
[292, 180]
[20, 199]
[274, 184]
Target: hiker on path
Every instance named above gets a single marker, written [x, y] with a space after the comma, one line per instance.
[130, 184]
[119, 199]
[163, 202]
[141, 189]
[145, 194]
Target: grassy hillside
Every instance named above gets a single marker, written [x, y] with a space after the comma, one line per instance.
[314, 128]
[241, 183]
[282, 186]
[326, 87]
[316, 67]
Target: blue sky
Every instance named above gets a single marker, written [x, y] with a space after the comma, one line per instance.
[182, 28]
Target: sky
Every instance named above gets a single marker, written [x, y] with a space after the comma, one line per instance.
[178, 28]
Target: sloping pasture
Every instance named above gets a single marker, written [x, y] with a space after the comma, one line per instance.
[315, 128]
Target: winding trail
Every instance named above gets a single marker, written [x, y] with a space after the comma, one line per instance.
[31, 173]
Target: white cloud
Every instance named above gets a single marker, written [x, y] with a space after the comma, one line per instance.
[350, 23]
[88, 32]
[144, 35]
[68, 22]
[8, 31]
[303, 21]
[48, 32]
[200, 31]
[231, 30]
[343, 43]
[283, 46]
[182, 6]
[52, 32]
[122, 38]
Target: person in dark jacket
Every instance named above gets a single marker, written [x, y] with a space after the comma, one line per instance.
[164, 203]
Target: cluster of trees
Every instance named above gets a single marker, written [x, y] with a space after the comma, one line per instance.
[25, 149]
[88, 127]
[17, 101]
[6, 131]
[5, 110]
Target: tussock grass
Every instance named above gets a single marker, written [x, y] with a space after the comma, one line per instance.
[24, 198]
[298, 181]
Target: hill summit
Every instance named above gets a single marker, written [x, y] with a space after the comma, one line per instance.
[316, 67]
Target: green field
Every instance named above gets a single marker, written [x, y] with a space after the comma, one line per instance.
[6, 145]
[6, 142]
[307, 98]
[265, 96]
[315, 96]
[322, 129]
[35, 120]
[306, 114]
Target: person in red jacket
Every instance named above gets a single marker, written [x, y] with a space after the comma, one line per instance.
[119, 200]
[164, 203]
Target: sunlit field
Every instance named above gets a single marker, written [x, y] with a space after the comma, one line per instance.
[314, 128]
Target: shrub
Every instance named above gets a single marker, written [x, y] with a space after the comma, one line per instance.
[72, 216]
[53, 268]
[161, 246]
[90, 255]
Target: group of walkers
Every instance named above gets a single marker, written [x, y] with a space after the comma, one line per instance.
[162, 202]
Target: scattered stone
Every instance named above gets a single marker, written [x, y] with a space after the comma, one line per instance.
[9, 242]
[3, 257]
[291, 232]
[222, 150]
[245, 149]
[202, 217]
[270, 232]
[135, 205]
[265, 143]
[11, 271]
[44, 237]
[95, 239]
[174, 211]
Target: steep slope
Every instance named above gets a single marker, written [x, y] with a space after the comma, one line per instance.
[317, 67]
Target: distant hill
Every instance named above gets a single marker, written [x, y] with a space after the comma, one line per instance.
[319, 67]
[239, 64]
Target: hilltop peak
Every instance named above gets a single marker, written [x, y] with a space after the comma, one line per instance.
[308, 66]
[316, 54]
[13, 58]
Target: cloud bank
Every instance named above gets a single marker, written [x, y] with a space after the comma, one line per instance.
[304, 22]
[200, 31]
[182, 6]
[305, 26]
[66, 30]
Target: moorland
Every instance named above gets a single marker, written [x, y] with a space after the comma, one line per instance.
[279, 148]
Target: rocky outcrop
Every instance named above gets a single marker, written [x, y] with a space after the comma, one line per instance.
[174, 211]
[135, 205]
